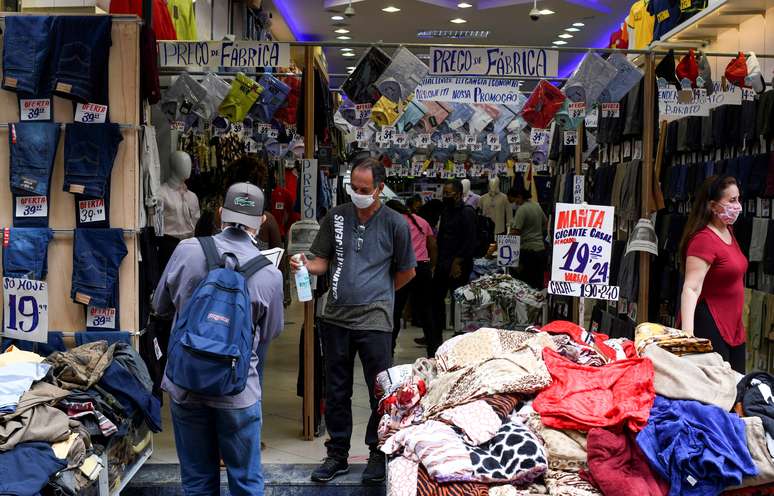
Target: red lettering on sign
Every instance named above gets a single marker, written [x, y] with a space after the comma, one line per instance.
[580, 217]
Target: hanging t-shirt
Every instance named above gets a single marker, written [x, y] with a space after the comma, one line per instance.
[723, 287]
[667, 14]
[642, 23]
[619, 39]
[690, 7]
[183, 18]
[162, 23]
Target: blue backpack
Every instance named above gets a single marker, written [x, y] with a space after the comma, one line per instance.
[212, 341]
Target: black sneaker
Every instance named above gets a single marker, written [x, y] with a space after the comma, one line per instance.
[375, 470]
[329, 469]
[420, 341]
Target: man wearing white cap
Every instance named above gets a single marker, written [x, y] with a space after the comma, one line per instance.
[209, 427]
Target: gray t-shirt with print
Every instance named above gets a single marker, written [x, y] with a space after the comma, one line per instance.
[363, 259]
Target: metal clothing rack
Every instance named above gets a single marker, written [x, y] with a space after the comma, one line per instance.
[63, 125]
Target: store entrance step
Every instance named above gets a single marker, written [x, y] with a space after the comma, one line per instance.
[163, 479]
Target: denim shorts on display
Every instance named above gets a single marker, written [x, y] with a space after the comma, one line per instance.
[33, 148]
[89, 152]
[79, 59]
[25, 53]
[97, 255]
[25, 255]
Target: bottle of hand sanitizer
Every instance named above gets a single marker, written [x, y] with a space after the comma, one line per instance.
[303, 285]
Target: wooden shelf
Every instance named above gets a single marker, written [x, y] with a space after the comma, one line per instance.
[704, 27]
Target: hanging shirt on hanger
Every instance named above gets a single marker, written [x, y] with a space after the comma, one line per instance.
[183, 18]
[162, 23]
[667, 14]
[642, 23]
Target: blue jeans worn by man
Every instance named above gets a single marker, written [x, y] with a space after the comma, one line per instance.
[208, 428]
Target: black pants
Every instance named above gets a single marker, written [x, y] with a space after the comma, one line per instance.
[704, 326]
[418, 291]
[442, 284]
[339, 348]
[532, 265]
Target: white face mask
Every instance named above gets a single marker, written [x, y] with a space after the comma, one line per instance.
[252, 237]
[361, 201]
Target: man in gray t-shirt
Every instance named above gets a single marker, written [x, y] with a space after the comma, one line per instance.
[367, 249]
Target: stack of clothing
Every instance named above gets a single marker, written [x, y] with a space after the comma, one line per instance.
[563, 411]
[60, 414]
[498, 300]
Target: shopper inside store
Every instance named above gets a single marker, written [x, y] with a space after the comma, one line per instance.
[387, 247]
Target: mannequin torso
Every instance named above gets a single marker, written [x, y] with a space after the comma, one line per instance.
[181, 207]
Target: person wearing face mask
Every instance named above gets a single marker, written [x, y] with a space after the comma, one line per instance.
[457, 242]
[713, 291]
[367, 249]
[208, 428]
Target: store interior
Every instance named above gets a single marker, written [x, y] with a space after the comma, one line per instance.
[127, 120]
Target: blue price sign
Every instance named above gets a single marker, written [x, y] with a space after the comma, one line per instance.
[25, 309]
[508, 251]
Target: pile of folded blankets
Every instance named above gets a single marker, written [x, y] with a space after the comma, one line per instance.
[562, 411]
[61, 416]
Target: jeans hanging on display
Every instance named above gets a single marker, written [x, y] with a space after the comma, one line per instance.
[97, 255]
[25, 254]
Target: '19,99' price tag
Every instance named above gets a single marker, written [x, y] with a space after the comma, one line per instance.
[25, 309]
[31, 206]
[90, 113]
[91, 210]
[101, 318]
[35, 109]
[508, 251]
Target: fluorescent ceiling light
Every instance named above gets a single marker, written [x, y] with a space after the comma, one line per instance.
[565, 35]
[345, 49]
[351, 68]
[458, 21]
[348, 54]
[572, 30]
[464, 5]
[343, 38]
[342, 31]
[578, 24]
[391, 9]
[559, 42]
[337, 18]
[547, 12]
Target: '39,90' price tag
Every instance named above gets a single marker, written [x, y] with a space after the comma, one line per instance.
[100, 318]
[35, 109]
[91, 210]
[25, 309]
[90, 113]
[31, 206]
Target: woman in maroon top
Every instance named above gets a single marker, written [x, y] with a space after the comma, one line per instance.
[713, 291]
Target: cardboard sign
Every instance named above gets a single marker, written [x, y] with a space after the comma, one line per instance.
[582, 243]
[237, 54]
[91, 210]
[90, 113]
[594, 291]
[31, 206]
[309, 189]
[100, 318]
[469, 90]
[510, 61]
[25, 309]
[508, 251]
[35, 109]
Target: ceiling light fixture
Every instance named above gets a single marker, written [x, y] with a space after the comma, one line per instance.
[454, 33]
[342, 31]
[348, 54]
[391, 9]
[559, 42]
[578, 24]
[345, 49]
[337, 18]
[464, 5]
[343, 38]
[458, 20]
[572, 30]
[565, 35]
[351, 68]
[547, 12]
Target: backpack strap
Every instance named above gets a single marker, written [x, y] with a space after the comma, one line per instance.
[254, 265]
[210, 252]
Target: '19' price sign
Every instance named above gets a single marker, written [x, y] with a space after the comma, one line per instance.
[508, 251]
[25, 309]
[582, 244]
